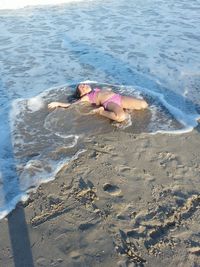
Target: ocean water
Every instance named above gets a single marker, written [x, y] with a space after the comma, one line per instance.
[149, 49]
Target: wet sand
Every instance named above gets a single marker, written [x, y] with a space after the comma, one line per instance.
[128, 200]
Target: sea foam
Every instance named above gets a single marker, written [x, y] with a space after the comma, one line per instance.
[9, 4]
[35, 103]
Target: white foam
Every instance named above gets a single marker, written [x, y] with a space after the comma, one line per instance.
[35, 103]
[9, 206]
[29, 183]
[17, 108]
[189, 121]
[125, 124]
[10, 4]
[182, 131]
[73, 143]
[40, 171]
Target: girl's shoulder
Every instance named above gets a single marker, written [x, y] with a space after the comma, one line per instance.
[96, 89]
[84, 98]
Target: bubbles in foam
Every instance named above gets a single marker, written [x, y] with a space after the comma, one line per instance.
[73, 137]
[37, 171]
[125, 124]
[10, 4]
[35, 103]
[8, 207]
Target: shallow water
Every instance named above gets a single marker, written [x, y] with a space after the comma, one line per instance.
[151, 49]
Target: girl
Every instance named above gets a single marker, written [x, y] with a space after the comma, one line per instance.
[110, 104]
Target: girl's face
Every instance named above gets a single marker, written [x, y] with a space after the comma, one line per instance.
[84, 89]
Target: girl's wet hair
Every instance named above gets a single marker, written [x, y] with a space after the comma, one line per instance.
[77, 94]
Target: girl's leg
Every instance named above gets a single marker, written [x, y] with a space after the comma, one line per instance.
[129, 102]
[113, 112]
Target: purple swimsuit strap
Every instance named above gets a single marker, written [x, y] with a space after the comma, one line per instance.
[92, 95]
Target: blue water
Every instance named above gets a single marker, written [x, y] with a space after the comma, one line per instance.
[149, 46]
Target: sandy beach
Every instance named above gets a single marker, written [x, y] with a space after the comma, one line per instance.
[102, 193]
[128, 200]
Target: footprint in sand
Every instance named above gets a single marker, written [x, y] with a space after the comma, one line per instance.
[113, 190]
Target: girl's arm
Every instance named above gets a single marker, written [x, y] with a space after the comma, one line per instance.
[54, 105]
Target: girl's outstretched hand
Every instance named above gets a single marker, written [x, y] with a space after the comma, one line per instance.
[54, 105]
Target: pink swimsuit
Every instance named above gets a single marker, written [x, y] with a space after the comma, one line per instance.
[116, 98]
[92, 95]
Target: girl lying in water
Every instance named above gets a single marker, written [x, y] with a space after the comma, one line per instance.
[110, 104]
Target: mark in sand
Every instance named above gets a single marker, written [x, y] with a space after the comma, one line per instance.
[113, 190]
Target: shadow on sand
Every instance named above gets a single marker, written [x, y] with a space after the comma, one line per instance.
[18, 230]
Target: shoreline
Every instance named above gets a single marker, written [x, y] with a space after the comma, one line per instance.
[129, 200]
